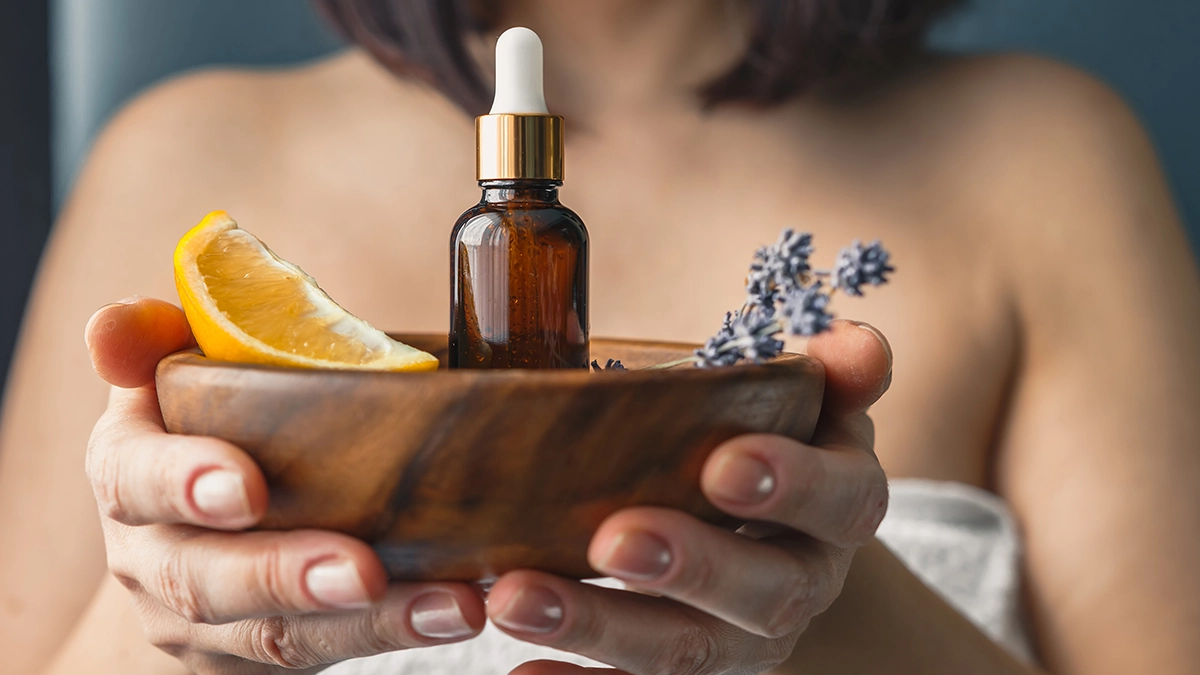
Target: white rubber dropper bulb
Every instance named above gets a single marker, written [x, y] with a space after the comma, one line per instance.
[519, 74]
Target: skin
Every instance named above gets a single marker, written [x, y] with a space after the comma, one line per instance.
[1042, 322]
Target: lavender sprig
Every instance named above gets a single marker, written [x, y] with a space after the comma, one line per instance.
[857, 265]
[781, 275]
[785, 294]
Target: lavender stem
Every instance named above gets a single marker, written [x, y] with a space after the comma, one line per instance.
[672, 364]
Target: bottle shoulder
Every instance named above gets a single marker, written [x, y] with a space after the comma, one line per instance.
[491, 218]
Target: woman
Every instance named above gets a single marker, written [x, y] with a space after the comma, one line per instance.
[1041, 320]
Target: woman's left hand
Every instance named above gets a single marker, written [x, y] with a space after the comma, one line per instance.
[716, 601]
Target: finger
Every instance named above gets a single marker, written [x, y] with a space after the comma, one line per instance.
[407, 616]
[141, 474]
[836, 493]
[858, 366]
[215, 577]
[126, 340]
[771, 589]
[637, 633]
[858, 370]
[560, 668]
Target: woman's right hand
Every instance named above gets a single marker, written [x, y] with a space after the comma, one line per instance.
[218, 599]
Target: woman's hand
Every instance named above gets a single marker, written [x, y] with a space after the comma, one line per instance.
[715, 601]
[226, 601]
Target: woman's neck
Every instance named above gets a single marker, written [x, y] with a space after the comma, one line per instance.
[632, 54]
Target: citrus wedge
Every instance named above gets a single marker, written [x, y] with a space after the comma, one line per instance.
[247, 305]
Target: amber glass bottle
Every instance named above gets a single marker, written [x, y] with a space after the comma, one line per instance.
[519, 258]
[520, 280]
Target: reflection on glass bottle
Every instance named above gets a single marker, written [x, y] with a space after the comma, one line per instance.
[519, 281]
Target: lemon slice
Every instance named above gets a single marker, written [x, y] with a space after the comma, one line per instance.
[247, 305]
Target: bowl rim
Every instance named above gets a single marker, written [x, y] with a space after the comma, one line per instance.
[785, 362]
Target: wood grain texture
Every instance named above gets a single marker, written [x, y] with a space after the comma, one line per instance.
[467, 474]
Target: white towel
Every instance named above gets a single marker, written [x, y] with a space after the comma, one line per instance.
[960, 540]
[963, 543]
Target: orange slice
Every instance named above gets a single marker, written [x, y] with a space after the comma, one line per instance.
[247, 305]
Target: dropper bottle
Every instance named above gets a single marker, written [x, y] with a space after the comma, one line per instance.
[519, 258]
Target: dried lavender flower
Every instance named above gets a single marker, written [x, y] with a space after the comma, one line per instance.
[760, 288]
[755, 335]
[857, 265]
[744, 335]
[778, 268]
[611, 365]
[716, 352]
[791, 258]
[727, 326]
[804, 310]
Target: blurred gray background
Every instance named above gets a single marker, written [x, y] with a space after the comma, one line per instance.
[104, 51]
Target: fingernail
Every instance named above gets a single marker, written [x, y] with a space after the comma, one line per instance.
[87, 330]
[887, 348]
[743, 480]
[221, 494]
[532, 610]
[638, 556]
[438, 616]
[336, 583]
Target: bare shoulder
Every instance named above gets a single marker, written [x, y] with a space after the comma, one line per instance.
[254, 142]
[205, 141]
[209, 129]
[1002, 140]
[1040, 131]
[1016, 81]
[237, 140]
[1047, 172]
[1042, 158]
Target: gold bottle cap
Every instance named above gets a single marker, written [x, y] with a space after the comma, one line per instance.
[511, 147]
[519, 139]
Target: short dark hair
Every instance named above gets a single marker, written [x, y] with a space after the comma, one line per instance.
[796, 45]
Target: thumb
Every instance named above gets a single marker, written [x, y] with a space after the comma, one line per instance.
[858, 366]
[127, 339]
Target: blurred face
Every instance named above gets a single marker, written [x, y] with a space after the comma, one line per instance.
[812, 43]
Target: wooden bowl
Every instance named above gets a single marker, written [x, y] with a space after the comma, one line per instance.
[466, 474]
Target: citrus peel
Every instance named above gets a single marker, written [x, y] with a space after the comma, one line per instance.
[245, 304]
